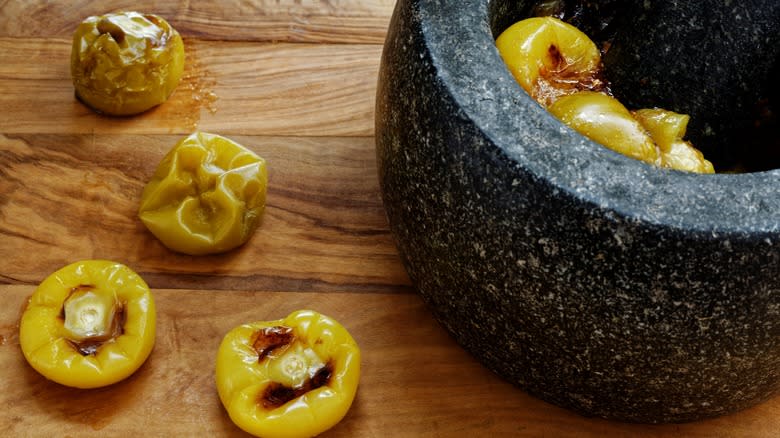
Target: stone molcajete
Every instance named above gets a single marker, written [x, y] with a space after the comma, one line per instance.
[591, 280]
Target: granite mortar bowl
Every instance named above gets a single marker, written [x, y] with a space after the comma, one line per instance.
[590, 280]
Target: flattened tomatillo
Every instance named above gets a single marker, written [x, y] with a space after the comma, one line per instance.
[126, 63]
[294, 377]
[90, 324]
[207, 195]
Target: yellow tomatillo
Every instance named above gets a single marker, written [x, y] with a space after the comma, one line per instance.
[550, 58]
[294, 377]
[560, 67]
[207, 195]
[90, 324]
[667, 129]
[605, 120]
[126, 63]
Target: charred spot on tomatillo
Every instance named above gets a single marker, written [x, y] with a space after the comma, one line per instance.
[125, 63]
[550, 58]
[301, 369]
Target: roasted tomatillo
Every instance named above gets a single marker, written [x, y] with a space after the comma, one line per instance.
[667, 129]
[603, 119]
[126, 63]
[90, 324]
[207, 195]
[560, 68]
[550, 58]
[294, 377]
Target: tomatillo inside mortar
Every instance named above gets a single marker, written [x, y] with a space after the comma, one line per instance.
[589, 279]
[294, 377]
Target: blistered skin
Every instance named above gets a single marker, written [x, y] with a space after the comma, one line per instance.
[126, 63]
[652, 135]
[290, 378]
[207, 195]
[550, 58]
[90, 324]
[560, 67]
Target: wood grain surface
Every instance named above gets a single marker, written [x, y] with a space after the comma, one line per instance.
[295, 81]
[231, 87]
[318, 21]
[416, 382]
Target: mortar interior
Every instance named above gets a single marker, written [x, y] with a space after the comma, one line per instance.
[488, 94]
[749, 139]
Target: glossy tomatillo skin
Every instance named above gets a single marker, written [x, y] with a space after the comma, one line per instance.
[605, 120]
[126, 63]
[550, 58]
[90, 324]
[560, 67]
[667, 129]
[247, 376]
[207, 195]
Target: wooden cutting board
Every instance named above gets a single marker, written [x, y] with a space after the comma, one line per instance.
[295, 82]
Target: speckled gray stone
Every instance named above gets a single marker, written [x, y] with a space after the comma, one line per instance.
[711, 59]
[588, 279]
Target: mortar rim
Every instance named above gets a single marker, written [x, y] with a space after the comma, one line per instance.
[734, 205]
